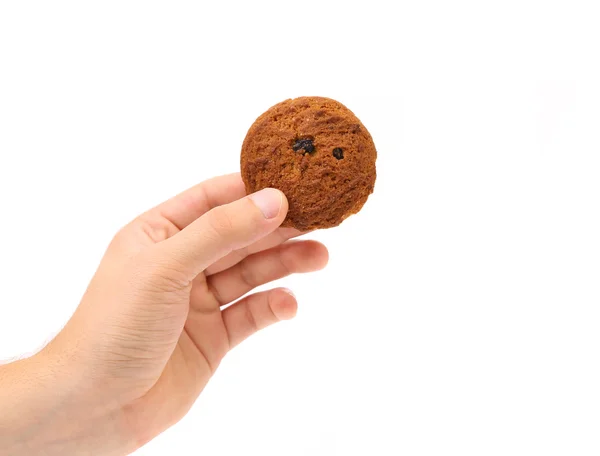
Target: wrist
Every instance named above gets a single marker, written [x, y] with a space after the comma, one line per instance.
[44, 410]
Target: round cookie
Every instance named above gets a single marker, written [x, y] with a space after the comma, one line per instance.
[317, 152]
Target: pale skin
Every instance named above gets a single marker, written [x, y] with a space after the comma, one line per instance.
[152, 328]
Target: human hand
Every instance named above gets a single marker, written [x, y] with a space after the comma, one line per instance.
[151, 329]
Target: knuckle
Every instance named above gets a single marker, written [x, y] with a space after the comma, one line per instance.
[247, 274]
[155, 229]
[284, 263]
[250, 319]
[220, 222]
[272, 317]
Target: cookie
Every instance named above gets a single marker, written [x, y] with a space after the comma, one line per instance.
[317, 152]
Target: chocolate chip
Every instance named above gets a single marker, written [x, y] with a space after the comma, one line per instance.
[304, 144]
[338, 153]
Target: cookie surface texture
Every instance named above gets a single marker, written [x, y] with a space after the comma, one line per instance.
[317, 152]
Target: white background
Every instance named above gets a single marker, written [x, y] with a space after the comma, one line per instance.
[460, 310]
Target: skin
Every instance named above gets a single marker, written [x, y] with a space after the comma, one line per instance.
[151, 329]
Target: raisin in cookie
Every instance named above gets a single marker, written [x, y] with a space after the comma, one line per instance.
[318, 154]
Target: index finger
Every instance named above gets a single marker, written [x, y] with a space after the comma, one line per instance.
[183, 209]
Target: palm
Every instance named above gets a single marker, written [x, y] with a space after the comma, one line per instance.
[206, 338]
[208, 332]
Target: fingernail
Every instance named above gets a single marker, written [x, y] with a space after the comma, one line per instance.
[269, 202]
[288, 291]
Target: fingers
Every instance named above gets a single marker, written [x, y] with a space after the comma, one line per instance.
[277, 237]
[256, 312]
[186, 207]
[266, 266]
[221, 230]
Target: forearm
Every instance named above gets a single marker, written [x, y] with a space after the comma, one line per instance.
[42, 413]
[22, 405]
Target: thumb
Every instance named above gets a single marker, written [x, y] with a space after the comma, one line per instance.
[222, 230]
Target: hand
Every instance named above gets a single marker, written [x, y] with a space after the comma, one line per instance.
[150, 330]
